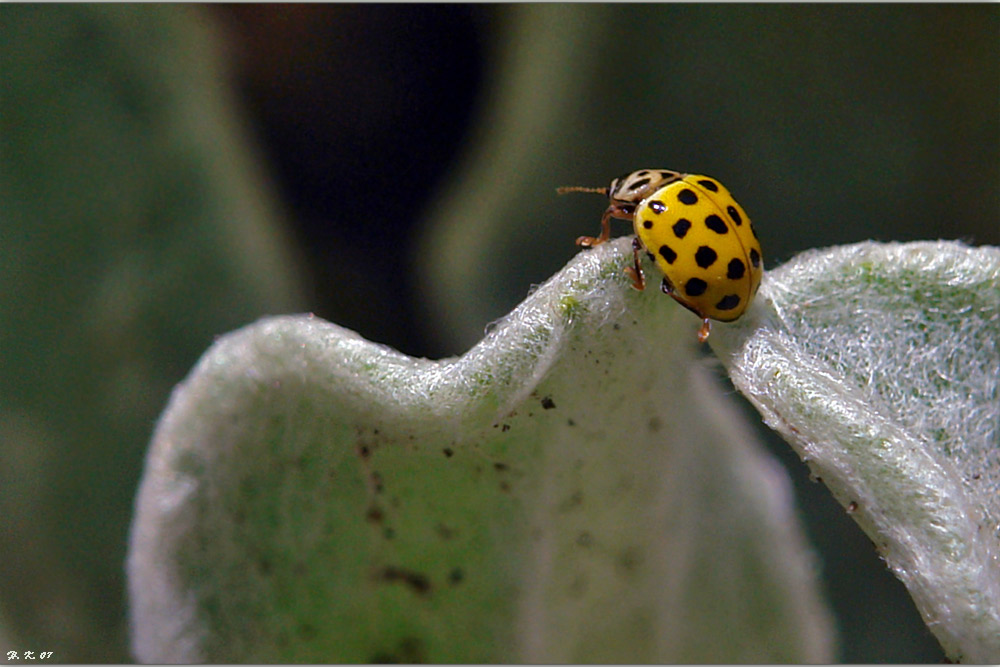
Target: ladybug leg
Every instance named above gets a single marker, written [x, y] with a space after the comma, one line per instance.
[619, 211]
[591, 241]
[635, 272]
[706, 328]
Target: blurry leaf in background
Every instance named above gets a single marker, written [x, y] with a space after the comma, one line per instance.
[360, 109]
[136, 226]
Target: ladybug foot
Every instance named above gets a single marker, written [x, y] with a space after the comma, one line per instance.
[638, 280]
[706, 328]
[589, 241]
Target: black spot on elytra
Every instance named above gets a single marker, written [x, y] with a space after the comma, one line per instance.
[735, 215]
[709, 185]
[716, 224]
[695, 287]
[668, 254]
[754, 257]
[657, 206]
[681, 227]
[705, 257]
[728, 302]
[687, 196]
[666, 286]
[648, 224]
[736, 269]
[548, 403]
[417, 582]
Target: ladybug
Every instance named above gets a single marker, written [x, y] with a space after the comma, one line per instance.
[695, 233]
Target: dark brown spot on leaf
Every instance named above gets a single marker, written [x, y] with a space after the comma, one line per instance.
[416, 581]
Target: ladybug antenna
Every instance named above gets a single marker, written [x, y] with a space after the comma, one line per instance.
[580, 188]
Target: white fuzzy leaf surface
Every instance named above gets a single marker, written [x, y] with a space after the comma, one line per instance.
[880, 364]
[575, 488]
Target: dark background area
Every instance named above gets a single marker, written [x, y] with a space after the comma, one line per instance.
[360, 110]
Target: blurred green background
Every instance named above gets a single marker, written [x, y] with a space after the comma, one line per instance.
[170, 173]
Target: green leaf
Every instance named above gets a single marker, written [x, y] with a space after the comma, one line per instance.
[576, 487]
[879, 364]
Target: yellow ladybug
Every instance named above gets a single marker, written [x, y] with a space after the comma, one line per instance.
[695, 232]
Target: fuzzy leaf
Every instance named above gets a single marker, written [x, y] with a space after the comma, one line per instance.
[574, 488]
[879, 364]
